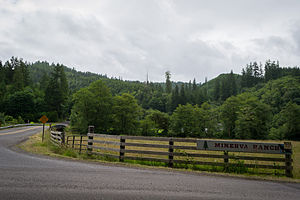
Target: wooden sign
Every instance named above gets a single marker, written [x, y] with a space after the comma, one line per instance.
[233, 146]
[44, 119]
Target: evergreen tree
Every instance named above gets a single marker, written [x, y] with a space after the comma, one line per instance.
[9, 73]
[182, 96]
[168, 82]
[18, 79]
[232, 82]
[57, 92]
[175, 98]
[217, 90]
[194, 85]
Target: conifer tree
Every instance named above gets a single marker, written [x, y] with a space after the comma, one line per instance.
[57, 91]
[168, 82]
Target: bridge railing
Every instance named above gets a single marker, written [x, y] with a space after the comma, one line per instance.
[57, 138]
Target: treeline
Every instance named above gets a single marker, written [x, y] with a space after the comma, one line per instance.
[250, 115]
[259, 104]
[263, 102]
[23, 100]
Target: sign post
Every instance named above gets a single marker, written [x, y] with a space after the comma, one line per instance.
[43, 119]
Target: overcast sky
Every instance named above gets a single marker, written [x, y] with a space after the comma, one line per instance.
[127, 38]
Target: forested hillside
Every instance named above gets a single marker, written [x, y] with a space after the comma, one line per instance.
[261, 103]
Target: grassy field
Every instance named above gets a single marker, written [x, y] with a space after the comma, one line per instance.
[35, 145]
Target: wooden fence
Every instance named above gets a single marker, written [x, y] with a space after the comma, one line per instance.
[78, 142]
[178, 151]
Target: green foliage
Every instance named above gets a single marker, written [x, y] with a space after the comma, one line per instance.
[184, 121]
[287, 123]
[278, 93]
[20, 120]
[237, 167]
[92, 106]
[56, 93]
[252, 118]
[245, 117]
[126, 113]
[29, 90]
[2, 119]
[52, 116]
[161, 121]
[147, 127]
[229, 112]
[21, 103]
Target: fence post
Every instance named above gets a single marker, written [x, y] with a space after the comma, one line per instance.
[80, 144]
[226, 160]
[73, 143]
[288, 159]
[171, 150]
[122, 148]
[68, 140]
[90, 139]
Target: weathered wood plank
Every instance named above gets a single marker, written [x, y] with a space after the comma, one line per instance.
[146, 138]
[230, 157]
[145, 152]
[197, 155]
[77, 140]
[188, 140]
[106, 136]
[146, 145]
[160, 139]
[106, 149]
[186, 147]
[107, 142]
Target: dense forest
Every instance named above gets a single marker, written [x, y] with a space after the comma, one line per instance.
[261, 103]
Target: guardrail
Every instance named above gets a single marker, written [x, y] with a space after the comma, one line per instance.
[19, 125]
[185, 151]
[57, 138]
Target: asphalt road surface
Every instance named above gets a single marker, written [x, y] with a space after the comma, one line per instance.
[24, 176]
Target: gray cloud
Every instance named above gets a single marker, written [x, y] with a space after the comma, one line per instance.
[192, 38]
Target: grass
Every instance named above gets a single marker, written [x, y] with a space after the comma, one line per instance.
[35, 145]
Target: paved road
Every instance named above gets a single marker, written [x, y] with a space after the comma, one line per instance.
[24, 176]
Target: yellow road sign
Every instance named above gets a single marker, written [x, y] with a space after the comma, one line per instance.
[44, 119]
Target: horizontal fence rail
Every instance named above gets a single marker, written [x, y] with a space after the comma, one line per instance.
[184, 151]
